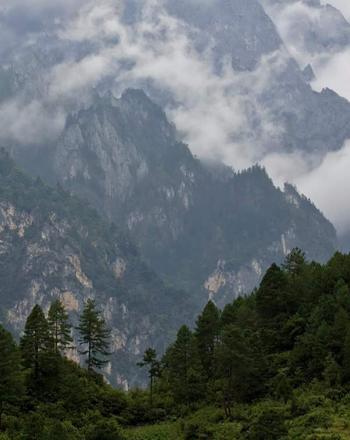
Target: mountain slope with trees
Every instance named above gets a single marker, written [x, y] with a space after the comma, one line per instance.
[271, 366]
[53, 246]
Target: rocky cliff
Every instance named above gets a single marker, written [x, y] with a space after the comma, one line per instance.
[54, 246]
[203, 227]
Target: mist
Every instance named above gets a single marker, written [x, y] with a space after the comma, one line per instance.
[219, 115]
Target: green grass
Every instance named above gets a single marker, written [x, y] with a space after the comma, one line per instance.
[166, 431]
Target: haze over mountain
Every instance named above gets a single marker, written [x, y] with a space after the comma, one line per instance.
[264, 110]
[163, 115]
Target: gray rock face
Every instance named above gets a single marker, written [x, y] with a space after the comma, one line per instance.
[238, 28]
[54, 246]
[206, 229]
[242, 31]
[314, 28]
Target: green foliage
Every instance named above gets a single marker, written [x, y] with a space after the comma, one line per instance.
[183, 368]
[154, 368]
[94, 336]
[165, 431]
[207, 332]
[59, 327]
[268, 424]
[256, 371]
[11, 376]
[104, 430]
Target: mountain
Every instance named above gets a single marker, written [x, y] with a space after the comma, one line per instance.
[242, 32]
[309, 26]
[282, 111]
[202, 227]
[54, 246]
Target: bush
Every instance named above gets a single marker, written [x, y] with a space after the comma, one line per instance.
[104, 429]
[269, 423]
[196, 431]
[227, 431]
[56, 430]
[168, 431]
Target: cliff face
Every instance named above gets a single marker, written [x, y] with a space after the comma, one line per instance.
[204, 228]
[54, 246]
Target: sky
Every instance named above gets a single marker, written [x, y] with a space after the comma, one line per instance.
[216, 114]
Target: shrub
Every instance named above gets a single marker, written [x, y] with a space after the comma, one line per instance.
[104, 429]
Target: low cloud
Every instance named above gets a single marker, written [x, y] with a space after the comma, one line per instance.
[219, 115]
[328, 184]
[30, 123]
[342, 5]
[334, 72]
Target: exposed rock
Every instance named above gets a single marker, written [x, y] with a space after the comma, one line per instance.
[54, 246]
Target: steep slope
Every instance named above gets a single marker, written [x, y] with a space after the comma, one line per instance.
[274, 87]
[242, 32]
[210, 232]
[52, 245]
[309, 26]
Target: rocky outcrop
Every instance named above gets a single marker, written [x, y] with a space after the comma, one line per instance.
[207, 229]
[54, 246]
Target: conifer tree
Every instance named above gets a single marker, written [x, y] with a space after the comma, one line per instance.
[207, 332]
[271, 296]
[185, 373]
[11, 376]
[295, 262]
[60, 329]
[36, 341]
[154, 369]
[94, 336]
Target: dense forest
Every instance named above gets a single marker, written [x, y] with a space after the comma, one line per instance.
[273, 365]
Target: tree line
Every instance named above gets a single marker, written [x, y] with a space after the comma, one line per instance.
[30, 372]
[261, 363]
[294, 330]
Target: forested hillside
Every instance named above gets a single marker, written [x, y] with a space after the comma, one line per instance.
[274, 365]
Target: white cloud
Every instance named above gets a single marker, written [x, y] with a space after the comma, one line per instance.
[334, 73]
[30, 123]
[219, 115]
[342, 5]
[328, 186]
[214, 112]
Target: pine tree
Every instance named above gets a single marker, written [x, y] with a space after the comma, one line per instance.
[36, 342]
[274, 305]
[150, 360]
[271, 296]
[94, 336]
[60, 329]
[11, 376]
[295, 262]
[183, 368]
[207, 332]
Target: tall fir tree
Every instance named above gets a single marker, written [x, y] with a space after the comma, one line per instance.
[207, 333]
[36, 342]
[94, 336]
[295, 262]
[154, 368]
[11, 375]
[59, 327]
[184, 369]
